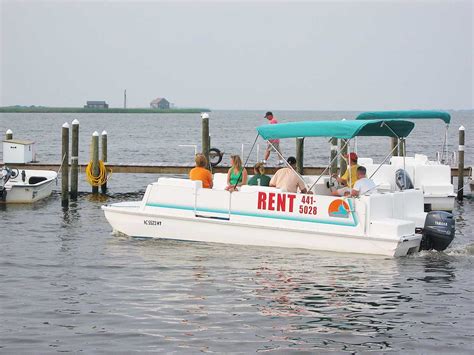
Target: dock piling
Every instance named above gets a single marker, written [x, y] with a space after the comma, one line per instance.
[299, 155]
[460, 194]
[394, 142]
[95, 159]
[205, 135]
[333, 156]
[402, 147]
[74, 159]
[65, 165]
[9, 134]
[103, 187]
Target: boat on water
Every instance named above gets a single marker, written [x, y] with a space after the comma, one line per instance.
[25, 186]
[386, 223]
[433, 177]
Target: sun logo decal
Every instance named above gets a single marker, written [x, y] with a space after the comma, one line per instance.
[339, 208]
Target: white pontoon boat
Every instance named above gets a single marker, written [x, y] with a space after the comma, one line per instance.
[25, 186]
[433, 177]
[378, 223]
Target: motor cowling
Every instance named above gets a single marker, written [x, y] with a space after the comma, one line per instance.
[402, 179]
[438, 231]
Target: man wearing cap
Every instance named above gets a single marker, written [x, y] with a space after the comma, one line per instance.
[349, 178]
[273, 144]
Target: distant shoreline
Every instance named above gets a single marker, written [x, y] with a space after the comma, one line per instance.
[39, 109]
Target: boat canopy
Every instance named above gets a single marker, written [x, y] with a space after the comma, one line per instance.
[407, 115]
[337, 129]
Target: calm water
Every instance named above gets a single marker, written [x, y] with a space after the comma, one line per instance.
[67, 284]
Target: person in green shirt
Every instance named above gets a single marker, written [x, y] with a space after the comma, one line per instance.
[259, 178]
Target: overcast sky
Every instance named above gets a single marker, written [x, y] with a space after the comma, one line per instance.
[333, 55]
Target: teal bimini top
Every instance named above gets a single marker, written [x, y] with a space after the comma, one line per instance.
[337, 129]
[405, 115]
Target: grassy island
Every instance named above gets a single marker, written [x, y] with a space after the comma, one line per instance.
[43, 109]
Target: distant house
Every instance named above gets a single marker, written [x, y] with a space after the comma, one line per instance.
[96, 104]
[160, 103]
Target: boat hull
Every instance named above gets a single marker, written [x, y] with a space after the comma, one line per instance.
[439, 203]
[29, 194]
[37, 185]
[129, 219]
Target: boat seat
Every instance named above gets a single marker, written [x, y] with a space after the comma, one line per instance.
[219, 181]
[365, 161]
[176, 182]
[421, 158]
[398, 161]
[434, 179]
[384, 178]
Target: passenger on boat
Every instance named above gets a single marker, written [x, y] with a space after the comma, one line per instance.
[237, 175]
[288, 180]
[273, 145]
[349, 178]
[259, 178]
[363, 185]
[200, 172]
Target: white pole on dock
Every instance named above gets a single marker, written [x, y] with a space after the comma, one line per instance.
[9, 134]
[103, 187]
[65, 165]
[95, 159]
[75, 160]
[461, 164]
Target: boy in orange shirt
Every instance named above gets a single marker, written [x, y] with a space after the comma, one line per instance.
[200, 172]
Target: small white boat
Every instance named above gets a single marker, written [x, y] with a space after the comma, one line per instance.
[433, 177]
[379, 223]
[25, 186]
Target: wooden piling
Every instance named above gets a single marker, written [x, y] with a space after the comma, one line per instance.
[205, 135]
[402, 147]
[74, 160]
[461, 164]
[8, 134]
[95, 159]
[343, 163]
[103, 187]
[333, 158]
[65, 165]
[299, 155]
[393, 145]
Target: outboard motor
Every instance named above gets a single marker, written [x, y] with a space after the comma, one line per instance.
[402, 179]
[438, 231]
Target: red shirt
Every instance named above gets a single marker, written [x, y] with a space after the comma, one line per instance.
[274, 141]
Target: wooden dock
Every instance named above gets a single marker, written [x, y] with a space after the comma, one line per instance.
[175, 169]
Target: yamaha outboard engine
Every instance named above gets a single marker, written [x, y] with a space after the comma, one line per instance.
[402, 179]
[438, 231]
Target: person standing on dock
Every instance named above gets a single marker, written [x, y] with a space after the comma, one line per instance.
[273, 144]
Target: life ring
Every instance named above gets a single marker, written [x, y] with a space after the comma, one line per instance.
[215, 156]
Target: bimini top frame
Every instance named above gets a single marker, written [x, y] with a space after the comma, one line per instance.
[405, 115]
[337, 129]
[414, 115]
